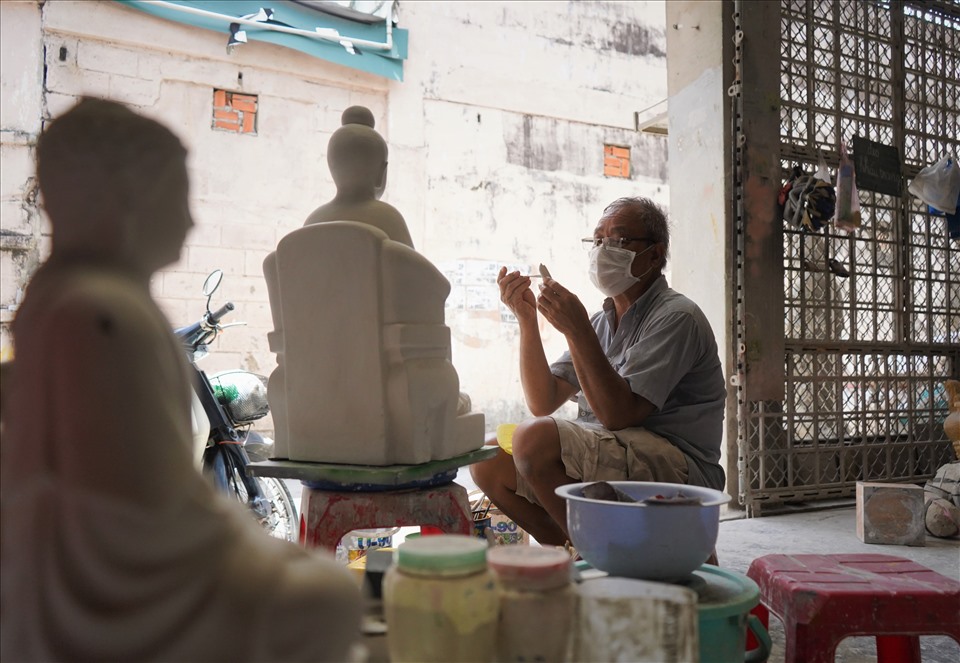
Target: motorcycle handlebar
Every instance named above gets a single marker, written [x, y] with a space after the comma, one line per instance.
[214, 318]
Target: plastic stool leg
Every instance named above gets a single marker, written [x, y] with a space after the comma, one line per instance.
[808, 645]
[898, 649]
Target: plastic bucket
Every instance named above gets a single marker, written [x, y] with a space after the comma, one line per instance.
[725, 601]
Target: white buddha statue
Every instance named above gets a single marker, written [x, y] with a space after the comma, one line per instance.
[114, 547]
[357, 157]
[363, 355]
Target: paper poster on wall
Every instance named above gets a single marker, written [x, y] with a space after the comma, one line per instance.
[477, 272]
[506, 315]
[457, 299]
[877, 167]
[473, 285]
[482, 298]
[452, 270]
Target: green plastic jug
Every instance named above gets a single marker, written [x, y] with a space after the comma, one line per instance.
[725, 599]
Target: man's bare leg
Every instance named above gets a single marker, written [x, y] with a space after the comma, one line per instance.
[536, 451]
[497, 478]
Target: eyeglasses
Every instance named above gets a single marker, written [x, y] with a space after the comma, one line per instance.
[613, 242]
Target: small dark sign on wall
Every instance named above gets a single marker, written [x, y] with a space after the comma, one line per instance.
[877, 166]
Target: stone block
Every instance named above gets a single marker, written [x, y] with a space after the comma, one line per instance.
[204, 259]
[18, 170]
[58, 104]
[253, 236]
[107, 58]
[134, 91]
[66, 79]
[890, 513]
[21, 67]
[17, 223]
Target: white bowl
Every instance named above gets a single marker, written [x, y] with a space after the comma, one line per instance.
[665, 542]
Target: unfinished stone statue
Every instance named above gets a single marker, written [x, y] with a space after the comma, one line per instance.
[363, 355]
[357, 157]
[114, 547]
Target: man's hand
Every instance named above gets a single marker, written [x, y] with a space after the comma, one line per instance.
[563, 310]
[515, 292]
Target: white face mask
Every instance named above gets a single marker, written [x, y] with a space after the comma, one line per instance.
[610, 269]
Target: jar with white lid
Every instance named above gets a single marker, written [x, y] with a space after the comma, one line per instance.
[537, 602]
[440, 601]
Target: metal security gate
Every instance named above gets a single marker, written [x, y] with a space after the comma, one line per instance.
[871, 318]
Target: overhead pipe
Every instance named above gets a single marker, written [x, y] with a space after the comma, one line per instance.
[324, 34]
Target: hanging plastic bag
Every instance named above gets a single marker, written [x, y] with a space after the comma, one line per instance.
[848, 201]
[953, 222]
[938, 185]
[823, 172]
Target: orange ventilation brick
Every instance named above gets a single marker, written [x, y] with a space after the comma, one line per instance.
[235, 112]
[616, 161]
[244, 102]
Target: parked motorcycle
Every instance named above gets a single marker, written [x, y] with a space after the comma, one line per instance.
[225, 404]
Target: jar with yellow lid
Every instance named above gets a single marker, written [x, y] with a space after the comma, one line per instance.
[440, 601]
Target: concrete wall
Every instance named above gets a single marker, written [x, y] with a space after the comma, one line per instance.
[698, 40]
[496, 149]
[21, 112]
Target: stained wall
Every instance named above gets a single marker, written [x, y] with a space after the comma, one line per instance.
[496, 140]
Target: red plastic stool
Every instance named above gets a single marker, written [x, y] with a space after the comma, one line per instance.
[822, 599]
[327, 515]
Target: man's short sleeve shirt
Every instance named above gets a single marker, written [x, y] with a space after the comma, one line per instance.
[665, 349]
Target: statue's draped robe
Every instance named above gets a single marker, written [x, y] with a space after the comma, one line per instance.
[113, 545]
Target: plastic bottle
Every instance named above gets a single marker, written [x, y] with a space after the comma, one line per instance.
[357, 542]
[537, 603]
[441, 601]
[847, 214]
[844, 183]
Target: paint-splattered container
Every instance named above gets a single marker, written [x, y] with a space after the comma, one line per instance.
[440, 601]
[537, 602]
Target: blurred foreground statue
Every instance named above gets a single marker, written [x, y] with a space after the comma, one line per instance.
[364, 373]
[114, 547]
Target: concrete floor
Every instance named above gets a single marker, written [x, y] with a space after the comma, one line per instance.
[830, 529]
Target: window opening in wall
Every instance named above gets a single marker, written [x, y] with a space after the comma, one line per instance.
[235, 112]
[616, 161]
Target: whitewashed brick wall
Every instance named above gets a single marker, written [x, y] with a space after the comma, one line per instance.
[496, 149]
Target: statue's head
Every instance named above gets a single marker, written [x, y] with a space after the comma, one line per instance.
[357, 154]
[114, 184]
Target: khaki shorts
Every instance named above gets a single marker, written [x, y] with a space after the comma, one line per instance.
[592, 453]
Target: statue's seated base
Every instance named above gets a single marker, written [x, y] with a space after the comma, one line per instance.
[370, 478]
[362, 351]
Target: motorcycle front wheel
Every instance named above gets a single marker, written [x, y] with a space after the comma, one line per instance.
[282, 522]
[274, 508]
